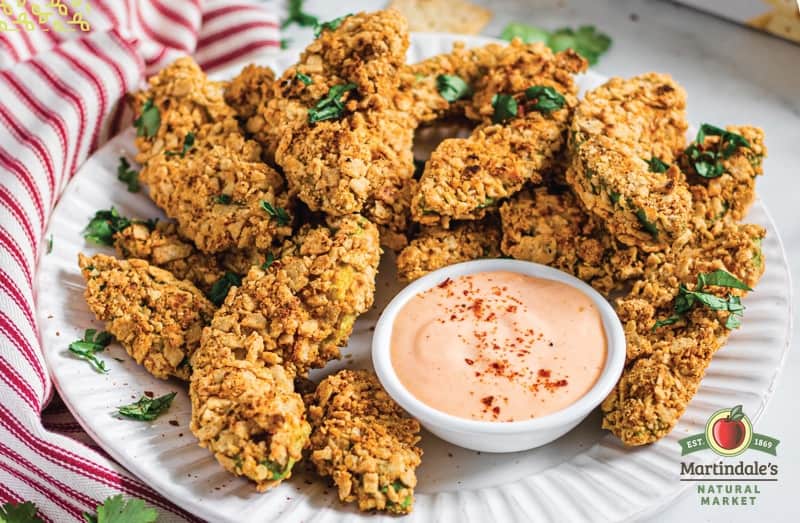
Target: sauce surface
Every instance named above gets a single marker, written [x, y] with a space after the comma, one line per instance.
[498, 346]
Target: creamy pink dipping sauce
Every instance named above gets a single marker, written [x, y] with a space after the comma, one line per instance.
[499, 346]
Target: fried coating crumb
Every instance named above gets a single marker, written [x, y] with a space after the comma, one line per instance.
[358, 161]
[466, 176]
[731, 194]
[666, 364]
[365, 442]
[187, 103]
[155, 317]
[617, 129]
[163, 246]
[248, 91]
[553, 229]
[435, 248]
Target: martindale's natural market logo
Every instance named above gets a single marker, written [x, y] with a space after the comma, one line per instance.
[729, 433]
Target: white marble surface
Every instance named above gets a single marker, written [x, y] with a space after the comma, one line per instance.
[732, 75]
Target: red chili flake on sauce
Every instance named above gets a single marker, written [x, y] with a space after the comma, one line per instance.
[487, 400]
[446, 283]
[544, 373]
[496, 411]
[469, 361]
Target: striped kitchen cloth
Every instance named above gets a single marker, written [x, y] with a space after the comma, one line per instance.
[65, 66]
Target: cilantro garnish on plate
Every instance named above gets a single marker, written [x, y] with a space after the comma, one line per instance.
[330, 106]
[127, 175]
[298, 16]
[220, 289]
[329, 26]
[505, 107]
[116, 509]
[188, 143]
[149, 121]
[452, 87]
[708, 162]
[687, 298]
[587, 41]
[279, 213]
[92, 343]
[147, 409]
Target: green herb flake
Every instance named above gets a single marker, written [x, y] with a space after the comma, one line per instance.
[304, 78]
[127, 175]
[505, 108]
[104, 225]
[49, 245]
[545, 99]
[419, 168]
[285, 43]
[647, 225]
[330, 106]
[279, 213]
[686, 298]
[298, 16]
[614, 197]
[220, 289]
[26, 512]
[87, 348]
[223, 199]
[279, 473]
[587, 41]
[452, 87]
[147, 409]
[188, 143]
[707, 163]
[149, 121]
[269, 261]
[329, 26]
[116, 509]
[657, 165]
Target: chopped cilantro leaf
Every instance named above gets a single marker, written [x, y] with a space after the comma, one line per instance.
[647, 225]
[116, 509]
[127, 175]
[87, 348]
[223, 199]
[657, 165]
[452, 87]
[279, 213]
[298, 16]
[188, 143]
[104, 225]
[587, 41]
[707, 162]
[686, 299]
[147, 409]
[26, 512]
[276, 470]
[149, 121]
[304, 78]
[545, 99]
[268, 262]
[330, 106]
[331, 25]
[505, 107]
[219, 290]
[285, 43]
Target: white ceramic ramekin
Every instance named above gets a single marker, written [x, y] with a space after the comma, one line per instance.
[489, 436]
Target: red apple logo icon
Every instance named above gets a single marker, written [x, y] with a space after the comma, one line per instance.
[729, 433]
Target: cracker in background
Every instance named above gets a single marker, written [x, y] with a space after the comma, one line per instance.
[446, 16]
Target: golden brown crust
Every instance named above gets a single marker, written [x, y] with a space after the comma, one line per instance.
[155, 317]
[465, 176]
[617, 129]
[434, 248]
[365, 442]
[248, 91]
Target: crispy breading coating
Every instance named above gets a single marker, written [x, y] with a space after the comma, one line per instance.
[435, 248]
[340, 165]
[553, 229]
[248, 91]
[155, 317]
[666, 364]
[279, 323]
[215, 193]
[617, 129]
[731, 194]
[163, 246]
[365, 442]
[187, 103]
[244, 408]
[466, 176]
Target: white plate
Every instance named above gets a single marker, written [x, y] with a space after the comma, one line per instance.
[585, 476]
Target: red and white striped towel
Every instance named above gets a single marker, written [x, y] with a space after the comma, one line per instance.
[60, 98]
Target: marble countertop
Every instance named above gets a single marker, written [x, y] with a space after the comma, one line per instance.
[733, 75]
